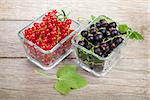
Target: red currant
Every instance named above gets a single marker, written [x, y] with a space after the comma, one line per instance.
[42, 24]
[36, 24]
[68, 21]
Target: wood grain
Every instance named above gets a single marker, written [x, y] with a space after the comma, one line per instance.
[128, 80]
[119, 81]
[16, 9]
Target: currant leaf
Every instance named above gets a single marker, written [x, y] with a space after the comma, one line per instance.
[123, 28]
[68, 79]
[135, 35]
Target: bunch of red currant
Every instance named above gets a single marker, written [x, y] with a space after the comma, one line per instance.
[50, 30]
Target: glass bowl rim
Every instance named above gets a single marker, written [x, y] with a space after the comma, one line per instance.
[22, 38]
[89, 51]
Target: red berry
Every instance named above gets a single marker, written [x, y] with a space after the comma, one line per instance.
[54, 11]
[33, 29]
[38, 43]
[42, 24]
[43, 47]
[48, 47]
[44, 18]
[47, 30]
[36, 24]
[42, 32]
[50, 25]
[47, 33]
[68, 21]
[45, 39]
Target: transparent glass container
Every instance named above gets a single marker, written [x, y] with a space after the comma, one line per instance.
[92, 62]
[48, 59]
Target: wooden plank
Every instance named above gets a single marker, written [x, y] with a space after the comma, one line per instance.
[18, 76]
[29, 9]
[10, 45]
[23, 95]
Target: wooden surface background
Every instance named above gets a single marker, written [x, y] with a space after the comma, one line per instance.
[128, 80]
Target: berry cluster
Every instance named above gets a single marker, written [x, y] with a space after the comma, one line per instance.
[49, 31]
[101, 37]
[46, 33]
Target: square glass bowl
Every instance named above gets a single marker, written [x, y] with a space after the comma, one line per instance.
[48, 59]
[92, 62]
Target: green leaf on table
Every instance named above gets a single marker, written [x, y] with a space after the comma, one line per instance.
[68, 79]
[135, 35]
[66, 70]
[75, 81]
[62, 87]
[123, 28]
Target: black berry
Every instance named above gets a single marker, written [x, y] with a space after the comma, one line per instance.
[84, 33]
[81, 43]
[114, 32]
[98, 25]
[105, 46]
[93, 30]
[88, 46]
[98, 51]
[112, 25]
[90, 38]
[103, 23]
[91, 26]
[98, 37]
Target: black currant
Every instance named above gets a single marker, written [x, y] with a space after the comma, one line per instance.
[98, 25]
[117, 40]
[98, 37]
[112, 25]
[98, 51]
[105, 54]
[114, 32]
[91, 26]
[93, 30]
[96, 43]
[84, 33]
[103, 23]
[103, 31]
[112, 46]
[90, 38]
[81, 43]
[88, 46]
[105, 46]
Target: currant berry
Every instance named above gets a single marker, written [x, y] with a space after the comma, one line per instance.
[98, 37]
[81, 43]
[88, 46]
[98, 51]
[84, 33]
[112, 25]
[103, 23]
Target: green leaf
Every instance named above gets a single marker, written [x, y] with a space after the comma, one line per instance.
[76, 81]
[69, 79]
[66, 70]
[123, 28]
[93, 17]
[135, 35]
[62, 87]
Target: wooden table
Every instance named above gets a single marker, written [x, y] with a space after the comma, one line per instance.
[128, 80]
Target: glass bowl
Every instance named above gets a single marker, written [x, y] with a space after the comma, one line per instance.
[92, 62]
[48, 59]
